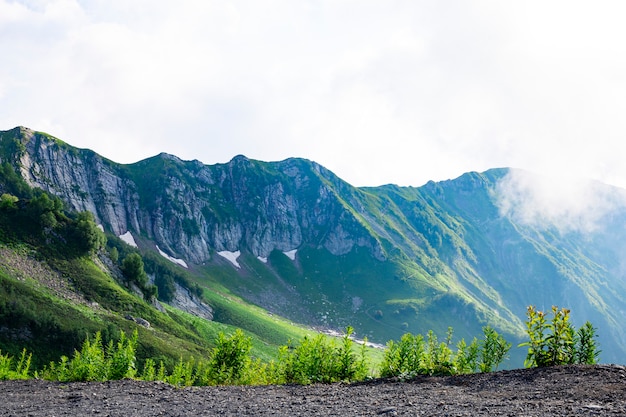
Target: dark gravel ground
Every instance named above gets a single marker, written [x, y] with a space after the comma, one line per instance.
[559, 391]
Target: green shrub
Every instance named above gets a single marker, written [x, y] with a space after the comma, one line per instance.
[121, 357]
[19, 371]
[586, 351]
[230, 360]
[493, 350]
[438, 359]
[555, 342]
[132, 268]
[182, 375]
[149, 371]
[8, 202]
[414, 355]
[87, 365]
[85, 234]
[403, 358]
[467, 356]
[351, 366]
[95, 363]
[319, 359]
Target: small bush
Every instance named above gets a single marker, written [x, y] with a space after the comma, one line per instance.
[555, 342]
[121, 357]
[493, 350]
[414, 355]
[19, 371]
[89, 364]
[230, 360]
[586, 351]
[403, 358]
[182, 375]
[319, 359]
[467, 356]
[149, 371]
[95, 363]
[132, 268]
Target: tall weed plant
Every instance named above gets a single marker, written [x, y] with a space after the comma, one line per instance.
[94, 362]
[554, 341]
[415, 355]
[320, 360]
[11, 369]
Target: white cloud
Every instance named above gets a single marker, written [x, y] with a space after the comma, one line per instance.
[378, 92]
[568, 204]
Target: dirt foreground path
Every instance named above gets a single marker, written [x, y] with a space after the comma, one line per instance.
[559, 391]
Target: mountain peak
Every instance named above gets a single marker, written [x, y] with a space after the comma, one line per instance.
[239, 158]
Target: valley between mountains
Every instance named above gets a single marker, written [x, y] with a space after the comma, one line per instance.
[293, 242]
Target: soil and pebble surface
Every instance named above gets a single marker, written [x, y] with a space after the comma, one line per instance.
[560, 391]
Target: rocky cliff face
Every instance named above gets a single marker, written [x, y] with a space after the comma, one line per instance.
[83, 179]
[192, 210]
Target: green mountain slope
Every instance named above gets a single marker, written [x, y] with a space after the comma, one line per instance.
[297, 241]
[55, 291]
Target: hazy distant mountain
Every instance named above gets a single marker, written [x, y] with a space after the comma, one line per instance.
[295, 239]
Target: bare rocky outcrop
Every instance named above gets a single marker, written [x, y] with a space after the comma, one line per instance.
[184, 300]
[83, 179]
[191, 210]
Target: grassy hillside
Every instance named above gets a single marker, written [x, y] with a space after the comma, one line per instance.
[53, 294]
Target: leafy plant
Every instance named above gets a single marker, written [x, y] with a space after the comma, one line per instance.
[182, 375]
[414, 355]
[555, 342]
[95, 363]
[493, 350]
[351, 366]
[149, 370]
[319, 359]
[87, 236]
[132, 267]
[438, 356]
[230, 359]
[121, 357]
[19, 371]
[403, 358]
[87, 365]
[467, 356]
[587, 351]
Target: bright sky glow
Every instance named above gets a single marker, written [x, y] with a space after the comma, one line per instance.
[394, 91]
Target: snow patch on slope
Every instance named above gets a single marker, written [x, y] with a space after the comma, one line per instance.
[291, 254]
[128, 238]
[172, 259]
[231, 256]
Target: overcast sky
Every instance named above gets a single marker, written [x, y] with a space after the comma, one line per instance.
[384, 91]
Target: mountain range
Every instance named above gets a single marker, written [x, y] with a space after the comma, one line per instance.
[296, 240]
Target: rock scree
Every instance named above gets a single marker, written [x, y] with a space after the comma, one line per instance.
[578, 390]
